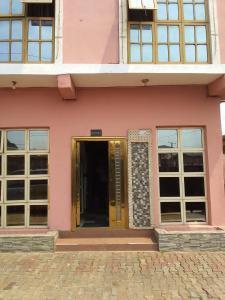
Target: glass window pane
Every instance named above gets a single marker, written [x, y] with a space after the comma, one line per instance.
[202, 53]
[135, 53]
[188, 11]
[195, 212]
[191, 138]
[15, 215]
[38, 164]
[147, 53]
[4, 30]
[39, 189]
[46, 30]
[146, 34]
[4, 51]
[169, 186]
[189, 32]
[17, 7]
[200, 12]
[15, 140]
[135, 34]
[17, 30]
[5, 7]
[170, 212]
[168, 162]
[38, 215]
[15, 190]
[193, 162]
[167, 138]
[46, 52]
[38, 139]
[201, 34]
[33, 30]
[161, 12]
[15, 165]
[194, 186]
[16, 51]
[173, 11]
[174, 53]
[174, 34]
[190, 53]
[162, 34]
[163, 55]
[33, 51]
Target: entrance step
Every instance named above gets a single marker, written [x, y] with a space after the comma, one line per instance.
[107, 240]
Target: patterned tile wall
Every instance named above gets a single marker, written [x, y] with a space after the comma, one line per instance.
[140, 178]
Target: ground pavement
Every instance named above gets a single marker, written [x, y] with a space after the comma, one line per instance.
[112, 276]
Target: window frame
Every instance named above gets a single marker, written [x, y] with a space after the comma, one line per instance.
[26, 202]
[181, 174]
[181, 23]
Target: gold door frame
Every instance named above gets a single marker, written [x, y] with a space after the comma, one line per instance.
[75, 178]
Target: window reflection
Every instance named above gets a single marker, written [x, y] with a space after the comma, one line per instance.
[38, 139]
[15, 215]
[193, 162]
[168, 162]
[191, 138]
[38, 164]
[195, 212]
[167, 138]
[38, 215]
[15, 140]
[15, 165]
[170, 212]
[38, 189]
[15, 190]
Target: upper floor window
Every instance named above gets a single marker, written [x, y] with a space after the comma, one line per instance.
[26, 32]
[176, 31]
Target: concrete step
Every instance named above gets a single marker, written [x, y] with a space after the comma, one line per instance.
[106, 244]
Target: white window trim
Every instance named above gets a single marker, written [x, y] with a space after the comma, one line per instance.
[58, 32]
[214, 32]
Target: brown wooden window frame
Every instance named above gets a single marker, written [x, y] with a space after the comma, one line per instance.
[181, 22]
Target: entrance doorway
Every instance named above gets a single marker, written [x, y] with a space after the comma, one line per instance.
[99, 182]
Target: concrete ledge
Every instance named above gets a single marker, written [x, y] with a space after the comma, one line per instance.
[38, 242]
[204, 240]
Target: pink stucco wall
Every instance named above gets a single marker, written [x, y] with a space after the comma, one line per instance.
[90, 31]
[115, 110]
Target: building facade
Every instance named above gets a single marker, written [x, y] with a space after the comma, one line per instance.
[110, 114]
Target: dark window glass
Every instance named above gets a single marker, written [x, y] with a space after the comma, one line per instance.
[193, 162]
[38, 164]
[38, 189]
[194, 186]
[195, 212]
[140, 15]
[38, 140]
[169, 186]
[41, 9]
[167, 138]
[168, 162]
[15, 190]
[15, 165]
[38, 215]
[170, 212]
[15, 215]
[0, 141]
[15, 140]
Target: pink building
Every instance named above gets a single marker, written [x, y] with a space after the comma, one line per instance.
[110, 114]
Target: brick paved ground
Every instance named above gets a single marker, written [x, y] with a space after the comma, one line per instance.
[112, 275]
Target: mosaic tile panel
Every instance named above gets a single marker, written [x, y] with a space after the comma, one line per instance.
[140, 185]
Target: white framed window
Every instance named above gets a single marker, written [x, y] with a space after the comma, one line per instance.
[24, 178]
[182, 176]
[142, 4]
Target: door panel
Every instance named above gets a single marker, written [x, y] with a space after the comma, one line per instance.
[77, 179]
[117, 152]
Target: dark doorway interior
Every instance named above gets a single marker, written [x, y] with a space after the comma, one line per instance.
[94, 200]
